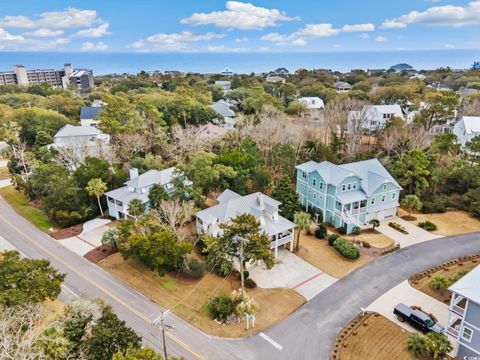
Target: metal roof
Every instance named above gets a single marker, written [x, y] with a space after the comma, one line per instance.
[89, 112]
[469, 285]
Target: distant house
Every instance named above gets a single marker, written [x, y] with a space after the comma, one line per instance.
[466, 129]
[281, 71]
[439, 86]
[262, 207]
[222, 108]
[401, 67]
[348, 195]
[224, 84]
[138, 187]
[89, 115]
[375, 117]
[464, 315]
[81, 141]
[371, 72]
[342, 87]
[174, 73]
[212, 130]
[313, 107]
[275, 79]
[227, 72]
[467, 91]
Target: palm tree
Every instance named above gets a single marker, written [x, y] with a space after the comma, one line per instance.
[437, 344]
[303, 221]
[416, 345]
[96, 187]
[136, 208]
[374, 223]
[356, 231]
[110, 238]
[412, 203]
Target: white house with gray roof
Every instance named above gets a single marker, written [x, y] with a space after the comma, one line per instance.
[222, 108]
[466, 129]
[348, 195]
[464, 315]
[313, 107]
[138, 187]
[81, 141]
[375, 117]
[262, 207]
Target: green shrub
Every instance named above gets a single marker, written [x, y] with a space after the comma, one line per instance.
[196, 269]
[321, 231]
[250, 283]
[356, 230]
[219, 265]
[398, 227]
[346, 249]
[457, 277]
[437, 205]
[428, 225]
[438, 283]
[341, 230]
[67, 218]
[246, 274]
[221, 307]
[332, 238]
[366, 244]
[389, 251]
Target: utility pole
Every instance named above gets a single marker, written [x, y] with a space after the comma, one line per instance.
[241, 265]
[159, 321]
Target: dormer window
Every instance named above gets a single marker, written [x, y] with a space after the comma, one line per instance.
[343, 187]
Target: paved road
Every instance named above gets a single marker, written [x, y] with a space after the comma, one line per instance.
[306, 334]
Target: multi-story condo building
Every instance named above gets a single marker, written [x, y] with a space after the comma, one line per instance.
[464, 320]
[81, 78]
[348, 195]
[138, 187]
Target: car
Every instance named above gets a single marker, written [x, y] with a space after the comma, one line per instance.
[417, 319]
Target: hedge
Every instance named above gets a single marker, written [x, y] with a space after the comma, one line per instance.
[346, 249]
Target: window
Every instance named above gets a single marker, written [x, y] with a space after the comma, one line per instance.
[314, 195]
[373, 123]
[467, 334]
[383, 198]
[314, 182]
[304, 175]
[354, 185]
[349, 186]
[343, 187]
[372, 202]
[321, 185]
[384, 186]
[393, 196]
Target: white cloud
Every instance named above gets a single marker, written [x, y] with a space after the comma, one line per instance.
[69, 18]
[6, 36]
[359, 28]
[364, 36]
[90, 46]
[173, 42]
[97, 32]
[242, 16]
[450, 46]
[448, 15]
[44, 33]
[243, 39]
[314, 31]
[224, 49]
[338, 46]
[381, 39]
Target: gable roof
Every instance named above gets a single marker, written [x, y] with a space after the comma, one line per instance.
[342, 85]
[468, 285]
[223, 108]
[70, 130]
[89, 112]
[153, 177]
[372, 173]
[471, 123]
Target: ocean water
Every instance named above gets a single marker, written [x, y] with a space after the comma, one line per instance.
[108, 63]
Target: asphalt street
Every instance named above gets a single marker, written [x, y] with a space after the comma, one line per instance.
[306, 334]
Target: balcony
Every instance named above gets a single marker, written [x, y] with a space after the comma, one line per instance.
[281, 240]
[458, 310]
[453, 332]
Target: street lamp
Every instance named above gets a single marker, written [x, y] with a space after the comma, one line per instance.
[159, 321]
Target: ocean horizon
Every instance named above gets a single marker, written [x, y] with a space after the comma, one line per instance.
[119, 63]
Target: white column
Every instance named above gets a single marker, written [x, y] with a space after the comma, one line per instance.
[293, 238]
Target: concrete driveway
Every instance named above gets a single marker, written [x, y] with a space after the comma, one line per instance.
[292, 272]
[415, 234]
[88, 239]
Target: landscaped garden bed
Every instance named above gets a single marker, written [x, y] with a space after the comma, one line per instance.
[67, 232]
[189, 297]
[371, 336]
[435, 281]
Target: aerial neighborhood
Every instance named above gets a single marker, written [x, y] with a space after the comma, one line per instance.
[228, 203]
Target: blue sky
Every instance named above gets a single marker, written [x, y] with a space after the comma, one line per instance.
[234, 26]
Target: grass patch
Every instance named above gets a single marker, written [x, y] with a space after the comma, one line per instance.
[188, 297]
[4, 173]
[19, 202]
[376, 338]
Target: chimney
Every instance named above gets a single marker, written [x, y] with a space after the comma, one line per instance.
[133, 173]
[261, 201]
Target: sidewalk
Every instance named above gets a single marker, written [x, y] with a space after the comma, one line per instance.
[415, 234]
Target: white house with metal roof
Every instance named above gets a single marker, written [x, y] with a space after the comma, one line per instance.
[466, 129]
[81, 141]
[375, 117]
[348, 195]
[222, 108]
[464, 315]
[313, 107]
[262, 207]
[138, 187]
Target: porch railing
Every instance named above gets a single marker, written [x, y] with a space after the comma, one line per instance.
[457, 309]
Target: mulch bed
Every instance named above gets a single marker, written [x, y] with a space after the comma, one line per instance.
[98, 254]
[67, 232]
[408, 218]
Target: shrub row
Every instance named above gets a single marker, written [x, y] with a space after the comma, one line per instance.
[389, 251]
[428, 225]
[398, 227]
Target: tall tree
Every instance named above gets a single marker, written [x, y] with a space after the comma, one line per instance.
[156, 195]
[284, 192]
[139, 354]
[96, 187]
[25, 280]
[136, 208]
[412, 203]
[411, 171]
[303, 221]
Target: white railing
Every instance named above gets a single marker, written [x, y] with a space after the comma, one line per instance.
[452, 332]
[281, 241]
[457, 309]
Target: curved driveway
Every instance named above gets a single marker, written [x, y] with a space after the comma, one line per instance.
[306, 334]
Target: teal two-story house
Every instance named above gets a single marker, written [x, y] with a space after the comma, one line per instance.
[348, 195]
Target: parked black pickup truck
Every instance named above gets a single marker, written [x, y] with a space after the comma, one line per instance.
[417, 319]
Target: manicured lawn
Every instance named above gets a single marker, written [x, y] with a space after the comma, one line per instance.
[326, 258]
[447, 272]
[373, 237]
[379, 339]
[449, 223]
[188, 297]
[19, 202]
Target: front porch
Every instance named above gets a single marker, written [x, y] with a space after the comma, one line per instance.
[282, 239]
[349, 213]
